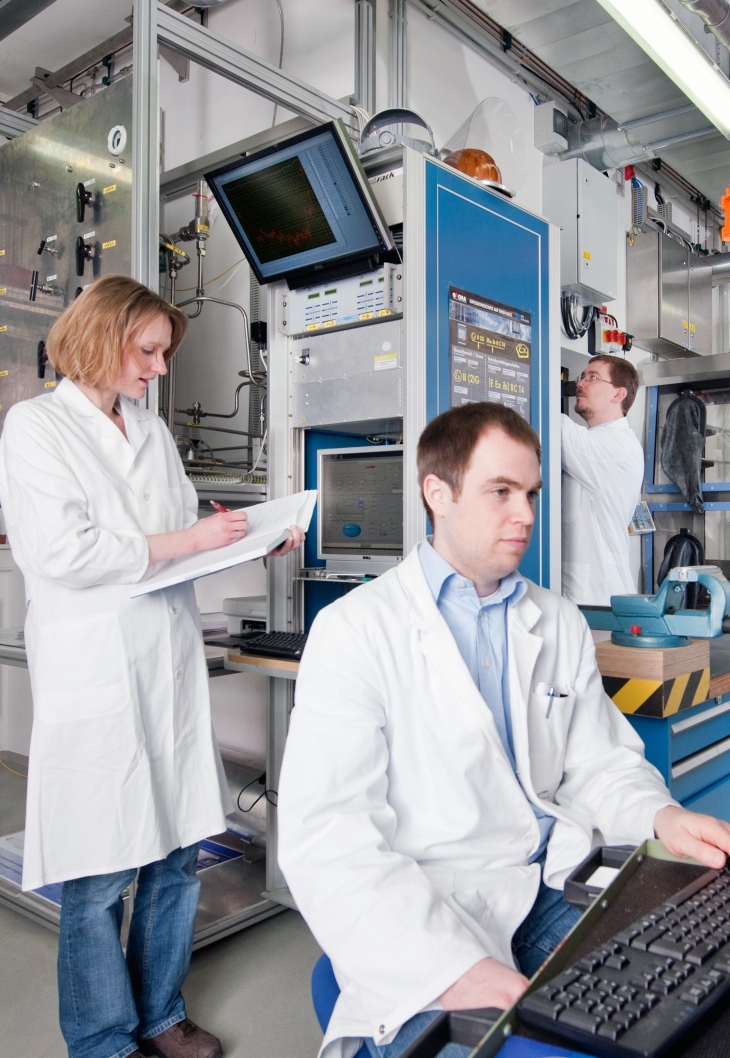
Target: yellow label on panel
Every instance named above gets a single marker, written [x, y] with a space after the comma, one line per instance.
[203, 227]
[384, 312]
[366, 315]
[3, 374]
[3, 290]
[691, 326]
[586, 255]
[330, 323]
[108, 190]
[3, 328]
[108, 245]
[50, 385]
[2, 253]
[386, 361]
[312, 326]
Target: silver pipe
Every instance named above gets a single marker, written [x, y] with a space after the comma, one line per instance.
[716, 16]
[636, 123]
[683, 137]
[232, 305]
[397, 74]
[365, 54]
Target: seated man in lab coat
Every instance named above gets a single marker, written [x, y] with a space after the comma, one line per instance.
[433, 796]
[603, 470]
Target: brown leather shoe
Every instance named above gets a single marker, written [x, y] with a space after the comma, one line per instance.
[185, 1040]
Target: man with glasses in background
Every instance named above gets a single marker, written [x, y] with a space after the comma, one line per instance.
[603, 469]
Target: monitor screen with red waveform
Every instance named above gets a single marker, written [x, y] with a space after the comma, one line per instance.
[279, 211]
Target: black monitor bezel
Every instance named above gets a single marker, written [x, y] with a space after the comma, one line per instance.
[383, 244]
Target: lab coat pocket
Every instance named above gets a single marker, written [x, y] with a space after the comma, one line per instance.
[81, 671]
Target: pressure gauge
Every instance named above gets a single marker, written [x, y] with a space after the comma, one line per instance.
[116, 141]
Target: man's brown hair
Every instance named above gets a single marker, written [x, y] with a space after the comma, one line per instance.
[87, 342]
[622, 373]
[447, 444]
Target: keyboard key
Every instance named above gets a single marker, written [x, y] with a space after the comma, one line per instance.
[617, 962]
[675, 949]
[694, 995]
[644, 940]
[566, 978]
[628, 934]
[590, 962]
[702, 953]
[611, 1030]
[540, 1005]
[723, 964]
[578, 1019]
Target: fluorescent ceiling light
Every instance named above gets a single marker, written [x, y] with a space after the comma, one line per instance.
[665, 40]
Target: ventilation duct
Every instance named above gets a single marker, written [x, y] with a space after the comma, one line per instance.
[604, 144]
[716, 16]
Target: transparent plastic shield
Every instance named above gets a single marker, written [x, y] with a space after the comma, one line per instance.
[493, 127]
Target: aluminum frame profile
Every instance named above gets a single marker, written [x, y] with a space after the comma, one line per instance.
[365, 54]
[397, 83]
[12, 124]
[238, 65]
[145, 135]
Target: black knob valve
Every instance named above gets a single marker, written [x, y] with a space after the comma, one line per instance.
[84, 253]
[42, 359]
[84, 198]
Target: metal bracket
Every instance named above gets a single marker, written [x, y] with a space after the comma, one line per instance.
[45, 80]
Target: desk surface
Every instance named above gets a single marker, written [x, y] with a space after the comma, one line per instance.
[282, 667]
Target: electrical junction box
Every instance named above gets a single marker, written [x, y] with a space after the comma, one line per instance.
[551, 128]
[582, 202]
[360, 299]
[245, 614]
[348, 377]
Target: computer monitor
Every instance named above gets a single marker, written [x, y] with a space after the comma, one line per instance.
[360, 508]
[302, 210]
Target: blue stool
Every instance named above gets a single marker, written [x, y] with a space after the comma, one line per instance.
[325, 991]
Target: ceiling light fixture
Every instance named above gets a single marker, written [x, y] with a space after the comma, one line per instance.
[662, 36]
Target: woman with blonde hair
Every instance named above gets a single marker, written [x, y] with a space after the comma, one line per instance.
[124, 775]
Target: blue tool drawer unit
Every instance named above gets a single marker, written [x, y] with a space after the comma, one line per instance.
[691, 749]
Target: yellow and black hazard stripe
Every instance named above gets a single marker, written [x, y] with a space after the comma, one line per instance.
[657, 698]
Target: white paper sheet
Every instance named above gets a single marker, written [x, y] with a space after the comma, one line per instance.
[268, 526]
[601, 877]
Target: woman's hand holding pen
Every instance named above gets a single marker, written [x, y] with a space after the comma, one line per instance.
[296, 539]
[226, 527]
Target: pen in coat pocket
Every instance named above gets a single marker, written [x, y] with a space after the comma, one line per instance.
[551, 692]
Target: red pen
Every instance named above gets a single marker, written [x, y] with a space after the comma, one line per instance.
[223, 510]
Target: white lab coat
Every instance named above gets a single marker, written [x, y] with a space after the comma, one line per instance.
[603, 471]
[123, 763]
[403, 832]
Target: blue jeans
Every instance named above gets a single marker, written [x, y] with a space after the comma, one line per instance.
[106, 1001]
[540, 933]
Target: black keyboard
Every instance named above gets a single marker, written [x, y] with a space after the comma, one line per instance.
[288, 645]
[643, 990]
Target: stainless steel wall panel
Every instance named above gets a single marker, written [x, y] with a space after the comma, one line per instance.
[347, 376]
[700, 306]
[39, 174]
[674, 292]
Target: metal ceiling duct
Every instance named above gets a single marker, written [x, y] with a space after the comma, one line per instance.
[605, 144]
[15, 13]
[716, 16]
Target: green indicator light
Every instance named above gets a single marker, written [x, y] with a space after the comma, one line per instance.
[366, 283]
[310, 296]
[332, 291]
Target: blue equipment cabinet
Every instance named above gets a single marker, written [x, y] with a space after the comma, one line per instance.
[691, 749]
[488, 259]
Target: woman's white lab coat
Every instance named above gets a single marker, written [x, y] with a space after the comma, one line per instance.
[603, 469]
[403, 832]
[123, 763]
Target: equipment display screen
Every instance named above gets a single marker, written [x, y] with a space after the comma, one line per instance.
[491, 352]
[361, 501]
[303, 204]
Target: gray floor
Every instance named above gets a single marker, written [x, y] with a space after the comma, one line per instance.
[251, 989]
